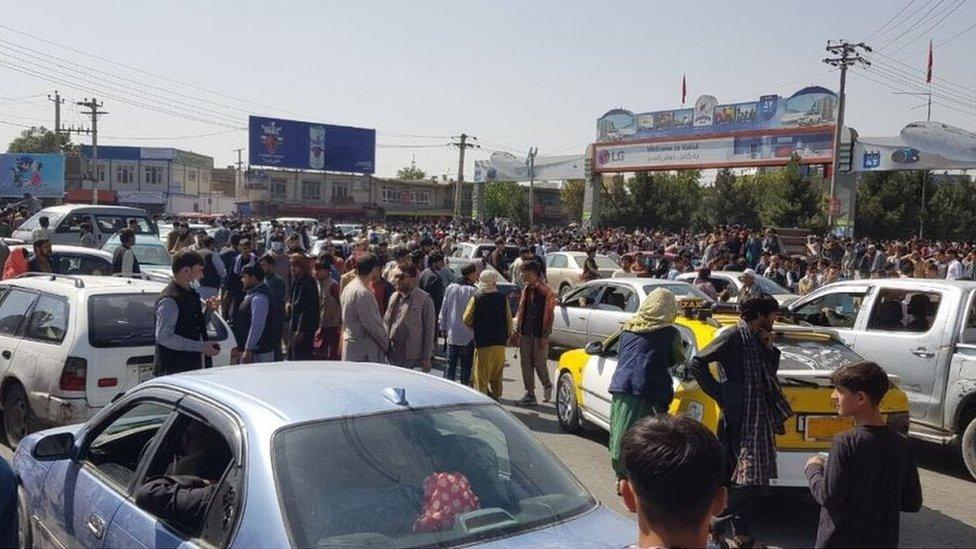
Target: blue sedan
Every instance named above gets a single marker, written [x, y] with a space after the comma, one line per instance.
[308, 454]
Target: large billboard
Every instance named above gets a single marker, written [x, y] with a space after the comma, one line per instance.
[919, 146]
[279, 143]
[753, 133]
[42, 175]
[503, 166]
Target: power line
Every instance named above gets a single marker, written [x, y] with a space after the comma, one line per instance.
[893, 17]
[175, 137]
[899, 88]
[913, 25]
[908, 79]
[925, 32]
[949, 83]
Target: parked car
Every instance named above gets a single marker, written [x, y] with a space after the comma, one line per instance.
[150, 252]
[509, 290]
[466, 252]
[308, 454]
[596, 309]
[922, 330]
[65, 222]
[729, 281]
[70, 344]
[564, 269]
[808, 357]
[75, 260]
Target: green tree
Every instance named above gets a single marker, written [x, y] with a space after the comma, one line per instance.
[888, 204]
[793, 200]
[951, 211]
[507, 199]
[572, 195]
[39, 139]
[411, 173]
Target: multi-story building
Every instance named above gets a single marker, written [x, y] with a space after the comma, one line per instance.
[157, 179]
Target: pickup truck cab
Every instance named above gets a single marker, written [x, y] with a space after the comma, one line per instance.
[923, 331]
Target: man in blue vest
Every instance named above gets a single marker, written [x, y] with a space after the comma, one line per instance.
[258, 320]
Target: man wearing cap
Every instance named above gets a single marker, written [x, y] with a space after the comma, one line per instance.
[258, 320]
[749, 287]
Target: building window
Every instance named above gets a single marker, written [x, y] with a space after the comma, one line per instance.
[102, 175]
[153, 175]
[311, 190]
[124, 174]
[191, 177]
[278, 189]
[421, 197]
[391, 195]
[340, 188]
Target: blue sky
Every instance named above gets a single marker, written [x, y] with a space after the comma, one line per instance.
[514, 74]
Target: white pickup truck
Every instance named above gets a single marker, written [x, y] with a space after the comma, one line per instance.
[922, 330]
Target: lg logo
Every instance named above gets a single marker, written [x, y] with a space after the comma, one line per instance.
[606, 156]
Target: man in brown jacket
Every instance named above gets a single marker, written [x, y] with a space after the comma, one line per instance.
[364, 336]
[533, 324]
[410, 320]
[326, 342]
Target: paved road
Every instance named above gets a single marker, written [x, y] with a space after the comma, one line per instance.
[786, 519]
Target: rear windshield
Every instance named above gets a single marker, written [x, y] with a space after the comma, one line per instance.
[419, 478]
[129, 320]
[602, 262]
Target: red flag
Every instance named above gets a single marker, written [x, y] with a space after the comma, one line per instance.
[684, 85]
[928, 75]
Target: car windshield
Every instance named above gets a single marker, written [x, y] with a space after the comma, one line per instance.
[147, 252]
[387, 475]
[602, 262]
[129, 320]
[767, 286]
[813, 353]
[679, 290]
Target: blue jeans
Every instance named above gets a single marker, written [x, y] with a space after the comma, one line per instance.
[464, 354]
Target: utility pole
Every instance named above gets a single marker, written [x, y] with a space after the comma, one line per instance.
[57, 113]
[531, 162]
[461, 144]
[849, 55]
[93, 111]
[240, 159]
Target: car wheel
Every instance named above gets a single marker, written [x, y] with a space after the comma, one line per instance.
[567, 407]
[969, 447]
[25, 537]
[18, 420]
[563, 289]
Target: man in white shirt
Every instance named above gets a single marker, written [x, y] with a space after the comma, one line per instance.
[955, 270]
[43, 231]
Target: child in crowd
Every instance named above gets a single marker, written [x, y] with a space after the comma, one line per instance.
[675, 468]
[870, 475]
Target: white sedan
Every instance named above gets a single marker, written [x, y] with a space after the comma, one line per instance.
[729, 281]
[596, 309]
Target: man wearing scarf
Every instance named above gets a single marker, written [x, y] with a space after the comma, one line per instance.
[753, 407]
[489, 316]
[641, 385]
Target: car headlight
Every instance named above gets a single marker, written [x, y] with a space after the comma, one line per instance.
[695, 410]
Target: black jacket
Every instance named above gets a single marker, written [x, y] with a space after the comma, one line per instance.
[304, 305]
[189, 324]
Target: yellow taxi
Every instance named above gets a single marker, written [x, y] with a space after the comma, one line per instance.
[808, 357]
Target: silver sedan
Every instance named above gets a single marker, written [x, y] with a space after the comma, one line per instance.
[595, 310]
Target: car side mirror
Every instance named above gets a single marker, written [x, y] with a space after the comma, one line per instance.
[54, 447]
[594, 348]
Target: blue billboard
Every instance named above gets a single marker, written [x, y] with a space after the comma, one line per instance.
[298, 145]
[42, 175]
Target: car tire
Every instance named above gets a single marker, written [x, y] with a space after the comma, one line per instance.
[25, 536]
[18, 418]
[563, 289]
[969, 447]
[567, 407]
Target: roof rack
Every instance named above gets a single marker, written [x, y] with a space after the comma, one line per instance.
[140, 276]
[79, 283]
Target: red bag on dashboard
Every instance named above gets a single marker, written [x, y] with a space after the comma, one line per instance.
[445, 495]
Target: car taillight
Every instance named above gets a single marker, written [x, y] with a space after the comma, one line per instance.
[898, 422]
[73, 374]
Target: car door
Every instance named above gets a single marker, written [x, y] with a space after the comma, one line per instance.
[202, 441]
[596, 382]
[834, 308]
[15, 305]
[81, 495]
[616, 305]
[556, 273]
[916, 352]
[571, 315]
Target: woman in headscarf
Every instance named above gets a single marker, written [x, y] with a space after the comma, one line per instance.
[489, 316]
[649, 346]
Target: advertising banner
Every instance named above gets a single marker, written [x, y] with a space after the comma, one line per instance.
[812, 106]
[42, 175]
[503, 166]
[812, 146]
[278, 143]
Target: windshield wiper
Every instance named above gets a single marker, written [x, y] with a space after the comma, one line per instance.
[799, 381]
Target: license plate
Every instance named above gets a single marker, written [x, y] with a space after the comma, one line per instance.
[826, 427]
[145, 372]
